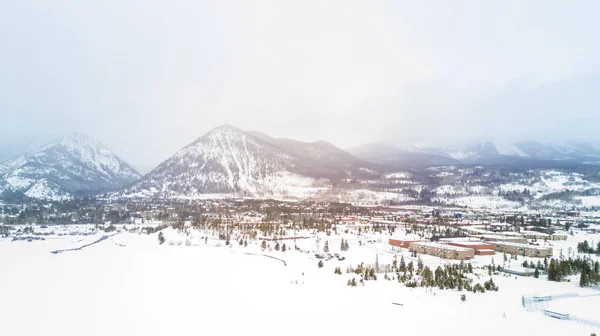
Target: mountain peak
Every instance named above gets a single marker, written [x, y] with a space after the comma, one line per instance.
[225, 128]
[70, 164]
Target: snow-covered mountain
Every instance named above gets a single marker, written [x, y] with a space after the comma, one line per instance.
[515, 152]
[70, 165]
[228, 161]
[393, 156]
[333, 161]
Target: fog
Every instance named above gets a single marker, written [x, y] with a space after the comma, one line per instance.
[148, 77]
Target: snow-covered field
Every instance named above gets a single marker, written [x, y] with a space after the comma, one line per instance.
[128, 284]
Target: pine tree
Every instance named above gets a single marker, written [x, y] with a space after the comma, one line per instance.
[583, 280]
[402, 264]
[263, 245]
[245, 243]
[536, 274]
[283, 247]
[320, 264]
[326, 248]
[277, 246]
[161, 238]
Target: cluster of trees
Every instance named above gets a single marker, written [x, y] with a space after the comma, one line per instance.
[585, 247]
[589, 270]
[453, 277]
[538, 267]
[283, 248]
[367, 273]
[345, 246]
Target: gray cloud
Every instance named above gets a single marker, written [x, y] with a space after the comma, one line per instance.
[147, 77]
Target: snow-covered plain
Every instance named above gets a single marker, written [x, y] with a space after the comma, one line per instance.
[128, 284]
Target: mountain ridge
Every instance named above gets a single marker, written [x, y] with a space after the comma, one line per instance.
[69, 165]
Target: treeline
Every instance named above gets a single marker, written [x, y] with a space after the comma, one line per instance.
[589, 270]
[450, 277]
[585, 247]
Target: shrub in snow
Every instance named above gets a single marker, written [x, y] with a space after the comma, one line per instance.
[320, 264]
[338, 271]
[463, 298]
[161, 238]
[478, 288]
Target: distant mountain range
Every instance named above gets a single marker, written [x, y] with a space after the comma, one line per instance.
[228, 161]
[70, 165]
[531, 153]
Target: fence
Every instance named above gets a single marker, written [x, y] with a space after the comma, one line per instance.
[540, 303]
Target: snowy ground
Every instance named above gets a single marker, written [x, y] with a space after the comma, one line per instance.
[127, 284]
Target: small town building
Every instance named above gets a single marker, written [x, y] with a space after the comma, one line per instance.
[480, 248]
[560, 235]
[404, 243]
[517, 240]
[443, 250]
[523, 249]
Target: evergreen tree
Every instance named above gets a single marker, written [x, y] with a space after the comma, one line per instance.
[283, 247]
[326, 248]
[161, 238]
[583, 279]
[536, 274]
[277, 246]
[320, 264]
[263, 245]
[402, 264]
[245, 243]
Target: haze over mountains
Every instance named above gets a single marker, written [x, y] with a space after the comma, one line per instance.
[228, 161]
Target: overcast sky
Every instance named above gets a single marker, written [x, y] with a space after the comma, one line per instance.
[147, 77]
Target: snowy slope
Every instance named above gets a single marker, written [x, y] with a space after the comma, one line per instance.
[227, 161]
[69, 165]
[331, 160]
[396, 157]
[509, 149]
